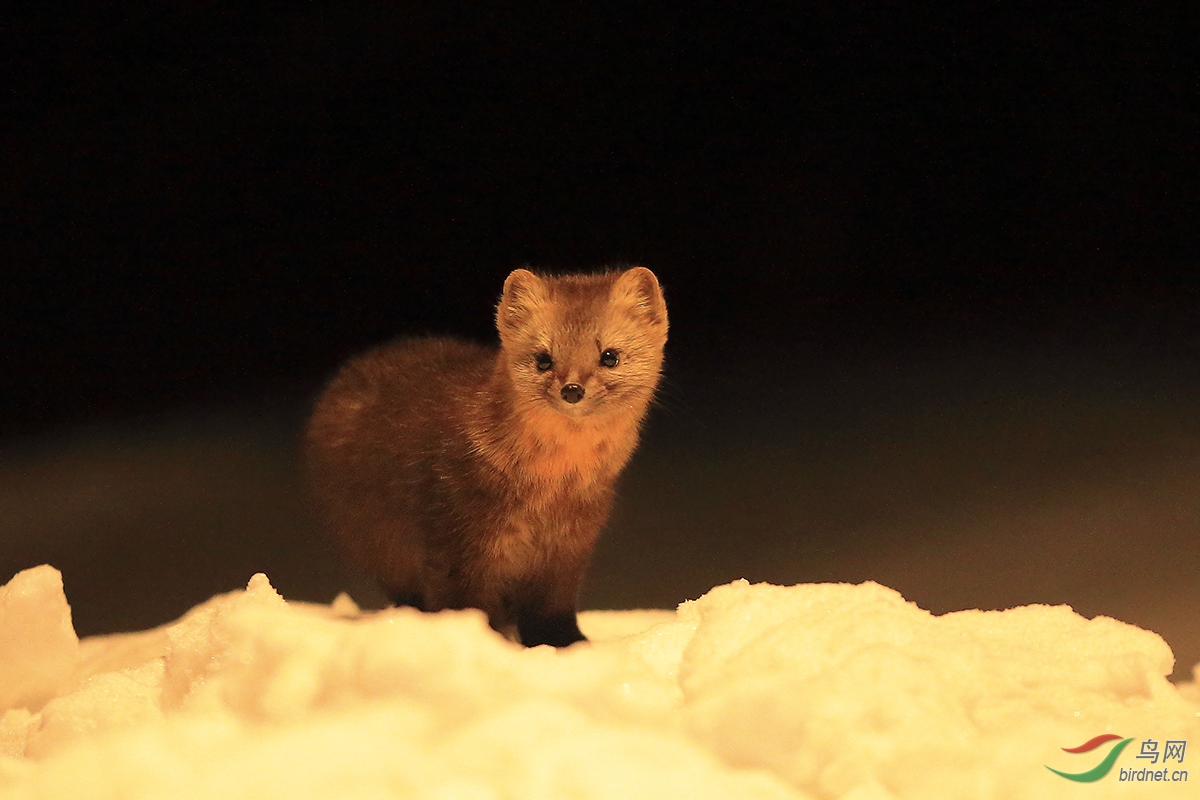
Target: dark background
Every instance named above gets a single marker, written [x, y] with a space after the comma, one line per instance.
[932, 276]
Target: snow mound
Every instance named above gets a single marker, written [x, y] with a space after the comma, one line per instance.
[810, 691]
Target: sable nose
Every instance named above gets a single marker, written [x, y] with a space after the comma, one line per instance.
[572, 393]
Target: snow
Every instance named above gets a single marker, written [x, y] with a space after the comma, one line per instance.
[809, 691]
[35, 621]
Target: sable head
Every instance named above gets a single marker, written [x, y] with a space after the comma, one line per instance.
[583, 345]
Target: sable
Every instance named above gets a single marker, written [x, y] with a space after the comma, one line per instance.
[467, 476]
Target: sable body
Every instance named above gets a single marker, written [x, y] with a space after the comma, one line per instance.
[466, 476]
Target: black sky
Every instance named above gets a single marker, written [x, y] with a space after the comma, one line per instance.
[207, 201]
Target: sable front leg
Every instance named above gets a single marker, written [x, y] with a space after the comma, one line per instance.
[548, 616]
[557, 630]
[401, 599]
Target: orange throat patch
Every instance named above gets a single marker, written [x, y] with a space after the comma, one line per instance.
[558, 449]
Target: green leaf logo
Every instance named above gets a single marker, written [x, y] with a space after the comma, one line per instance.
[1100, 770]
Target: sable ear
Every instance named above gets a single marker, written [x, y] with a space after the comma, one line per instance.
[638, 291]
[523, 293]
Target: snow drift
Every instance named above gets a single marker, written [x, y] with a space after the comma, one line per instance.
[810, 691]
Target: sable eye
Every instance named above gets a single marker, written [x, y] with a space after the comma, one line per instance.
[609, 358]
[543, 361]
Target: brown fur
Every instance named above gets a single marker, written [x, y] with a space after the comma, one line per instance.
[460, 475]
